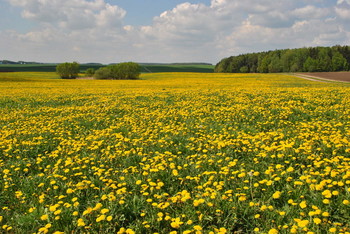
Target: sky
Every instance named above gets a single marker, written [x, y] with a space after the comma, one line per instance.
[165, 31]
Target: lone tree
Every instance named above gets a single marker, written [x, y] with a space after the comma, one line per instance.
[121, 71]
[68, 70]
[126, 71]
[90, 72]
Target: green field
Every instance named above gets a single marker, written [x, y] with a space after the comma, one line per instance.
[174, 153]
[177, 68]
[83, 67]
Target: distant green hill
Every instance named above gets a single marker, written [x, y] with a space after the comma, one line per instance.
[40, 67]
[203, 68]
[145, 68]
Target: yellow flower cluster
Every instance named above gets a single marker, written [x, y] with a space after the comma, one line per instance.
[174, 153]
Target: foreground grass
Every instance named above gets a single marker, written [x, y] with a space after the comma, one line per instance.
[174, 153]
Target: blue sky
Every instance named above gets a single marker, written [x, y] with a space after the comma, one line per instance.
[165, 30]
[141, 12]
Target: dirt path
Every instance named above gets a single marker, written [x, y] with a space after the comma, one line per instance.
[85, 78]
[325, 76]
[312, 78]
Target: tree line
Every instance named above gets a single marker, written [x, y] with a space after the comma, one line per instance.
[312, 59]
[120, 71]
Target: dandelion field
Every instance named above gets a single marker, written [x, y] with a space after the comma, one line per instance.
[174, 153]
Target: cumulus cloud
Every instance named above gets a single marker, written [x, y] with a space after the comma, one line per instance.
[232, 27]
[72, 14]
[343, 1]
[310, 12]
[343, 11]
[94, 30]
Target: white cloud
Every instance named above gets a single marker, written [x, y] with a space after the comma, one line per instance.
[343, 13]
[94, 31]
[71, 14]
[310, 12]
[343, 1]
[232, 27]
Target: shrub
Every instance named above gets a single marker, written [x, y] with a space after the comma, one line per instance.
[103, 73]
[68, 70]
[90, 72]
[125, 71]
[121, 71]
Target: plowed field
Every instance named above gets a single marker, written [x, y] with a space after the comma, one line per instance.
[339, 76]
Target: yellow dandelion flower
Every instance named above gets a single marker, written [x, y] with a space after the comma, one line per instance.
[273, 231]
[44, 217]
[100, 218]
[303, 204]
[103, 211]
[81, 223]
[303, 223]
[276, 195]
[317, 220]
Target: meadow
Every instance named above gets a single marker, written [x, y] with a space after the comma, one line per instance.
[174, 153]
[145, 68]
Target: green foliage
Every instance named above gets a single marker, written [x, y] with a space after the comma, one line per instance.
[90, 72]
[339, 63]
[263, 64]
[126, 71]
[103, 73]
[28, 67]
[316, 59]
[310, 65]
[177, 67]
[121, 71]
[275, 64]
[68, 70]
[244, 69]
[221, 67]
[145, 68]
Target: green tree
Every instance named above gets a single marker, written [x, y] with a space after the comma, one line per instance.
[89, 72]
[294, 68]
[287, 60]
[263, 65]
[68, 70]
[236, 64]
[345, 51]
[339, 63]
[324, 61]
[244, 69]
[103, 73]
[222, 66]
[275, 64]
[300, 58]
[252, 62]
[310, 65]
[121, 71]
[125, 71]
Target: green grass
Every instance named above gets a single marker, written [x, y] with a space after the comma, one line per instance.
[83, 67]
[27, 67]
[38, 67]
[177, 68]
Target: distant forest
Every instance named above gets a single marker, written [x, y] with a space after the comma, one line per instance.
[313, 59]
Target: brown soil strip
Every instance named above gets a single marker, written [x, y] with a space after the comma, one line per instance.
[328, 76]
[85, 78]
